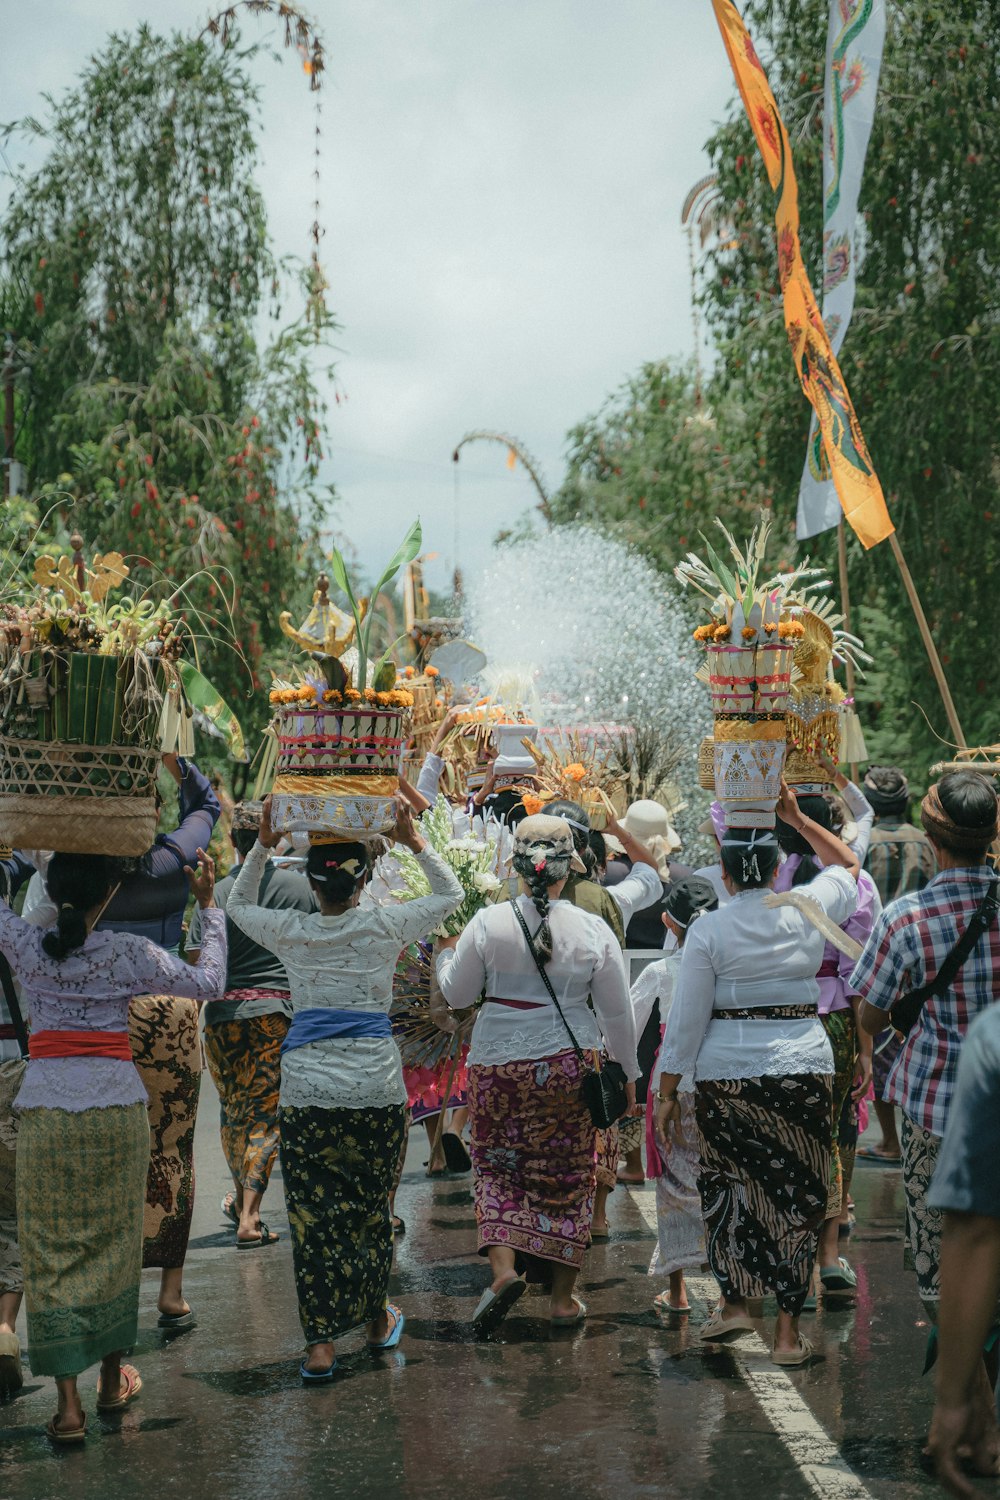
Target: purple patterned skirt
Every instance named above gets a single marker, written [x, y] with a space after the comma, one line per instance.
[534, 1157]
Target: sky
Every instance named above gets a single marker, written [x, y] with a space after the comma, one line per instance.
[501, 191]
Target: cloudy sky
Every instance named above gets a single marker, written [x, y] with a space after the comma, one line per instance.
[502, 186]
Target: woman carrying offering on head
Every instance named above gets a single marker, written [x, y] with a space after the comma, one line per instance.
[343, 1100]
[83, 1140]
[533, 1139]
[744, 1022]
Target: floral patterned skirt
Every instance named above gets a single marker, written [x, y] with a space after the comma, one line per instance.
[166, 1048]
[922, 1242]
[81, 1177]
[244, 1059]
[764, 1181]
[338, 1167]
[534, 1153]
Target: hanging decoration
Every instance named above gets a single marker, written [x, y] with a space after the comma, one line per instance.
[855, 40]
[851, 468]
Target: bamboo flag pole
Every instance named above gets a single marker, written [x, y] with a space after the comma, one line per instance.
[928, 640]
[845, 604]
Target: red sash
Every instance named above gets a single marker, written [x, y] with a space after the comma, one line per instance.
[80, 1044]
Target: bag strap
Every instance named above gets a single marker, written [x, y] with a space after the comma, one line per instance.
[981, 920]
[546, 980]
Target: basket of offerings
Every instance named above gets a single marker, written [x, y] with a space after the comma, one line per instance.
[82, 687]
[819, 716]
[340, 733]
[749, 643]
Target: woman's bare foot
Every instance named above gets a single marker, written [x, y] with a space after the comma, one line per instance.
[70, 1416]
[171, 1302]
[319, 1358]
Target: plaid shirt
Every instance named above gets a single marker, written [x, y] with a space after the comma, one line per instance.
[908, 945]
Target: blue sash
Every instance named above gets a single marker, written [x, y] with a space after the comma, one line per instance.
[317, 1025]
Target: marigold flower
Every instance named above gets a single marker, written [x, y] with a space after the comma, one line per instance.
[575, 772]
[431, 672]
[532, 804]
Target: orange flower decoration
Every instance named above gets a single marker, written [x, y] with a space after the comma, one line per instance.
[575, 772]
[748, 633]
[409, 672]
[431, 672]
[532, 804]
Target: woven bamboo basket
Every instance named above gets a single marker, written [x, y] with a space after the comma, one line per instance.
[338, 769]
[78, 799]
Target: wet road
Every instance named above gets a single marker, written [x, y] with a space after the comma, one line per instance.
[623, 1407]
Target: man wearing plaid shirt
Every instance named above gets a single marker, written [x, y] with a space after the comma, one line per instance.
[907, 948]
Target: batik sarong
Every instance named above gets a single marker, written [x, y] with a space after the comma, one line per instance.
[11, 1078]
[608, 1156]
[166, 1048]
[680, 1228]
[244, 1059]
[764, 1181]
[338, 1167]
[534, 1154]
[922, 1250]
[81, 1181]
[842, 1035]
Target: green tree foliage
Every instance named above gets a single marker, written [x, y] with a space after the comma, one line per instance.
[922, 358]
[137, 274]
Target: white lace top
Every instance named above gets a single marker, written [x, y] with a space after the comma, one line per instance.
[342, 962]
[747, 955]
[91, 990]
[493, 956]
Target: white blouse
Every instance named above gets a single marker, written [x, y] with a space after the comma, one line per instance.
[493, 957]
[344, 962]
[747, 955]
[657, 982]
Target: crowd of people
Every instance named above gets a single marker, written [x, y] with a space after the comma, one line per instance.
[626, 1016]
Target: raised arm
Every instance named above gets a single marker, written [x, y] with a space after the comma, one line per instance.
[461, 972]
[640, 888]
[198, 814]
[267, 928]
[827, 847]
[158, 972]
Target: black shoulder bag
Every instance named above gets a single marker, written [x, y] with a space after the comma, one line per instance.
[601, 1089]
[905, 1014]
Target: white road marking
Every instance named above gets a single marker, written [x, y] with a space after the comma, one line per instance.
[815, 1455]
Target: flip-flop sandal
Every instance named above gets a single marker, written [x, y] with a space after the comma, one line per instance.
[398, 1225]
[176, 1320]
[455, 1153]
[494, 1306]
[789, 1359]
[66, 1434]
[571, 1322]
[665, 1308]
[264, 1238]
[600, 1234]
[316, 1377]
[839, 1280]
[229, 1210]
[631, 1181]
[133, 1385]
[868, 1153]
[11, 1374]
[396, 1325]
[718, 1328]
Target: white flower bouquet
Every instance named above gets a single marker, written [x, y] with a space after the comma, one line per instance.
[478, 854]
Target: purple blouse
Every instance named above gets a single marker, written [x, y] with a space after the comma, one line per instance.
[835, 990]
[91, 990]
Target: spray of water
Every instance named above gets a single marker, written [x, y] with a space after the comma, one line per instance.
[604, 636]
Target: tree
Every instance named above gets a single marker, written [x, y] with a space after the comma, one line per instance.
[922, 357]
[922, 360]
[137, 268]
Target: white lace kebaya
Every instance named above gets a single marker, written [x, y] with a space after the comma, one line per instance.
[344, 962]
[91, 990]
[744, 956]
